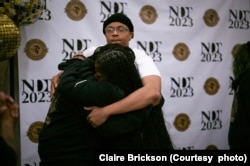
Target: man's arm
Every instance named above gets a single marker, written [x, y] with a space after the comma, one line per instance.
[79, 85]
[54, 82]
[149, 94]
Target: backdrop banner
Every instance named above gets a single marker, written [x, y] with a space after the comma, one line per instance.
[190, 41]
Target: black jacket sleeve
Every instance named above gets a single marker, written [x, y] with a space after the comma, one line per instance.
[79, 85]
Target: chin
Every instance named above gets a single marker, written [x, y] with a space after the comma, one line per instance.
[116, 42]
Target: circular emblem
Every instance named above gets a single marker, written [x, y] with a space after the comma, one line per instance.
[148, 14]
[181, 51]
[211, 147]
[182, 122]
[235, 49]
[75, 10]
[35, 49]
[211, 17]
[211, 86]
[34, 130]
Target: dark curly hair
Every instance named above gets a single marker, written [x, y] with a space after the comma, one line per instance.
[241, 63]
[117, 63]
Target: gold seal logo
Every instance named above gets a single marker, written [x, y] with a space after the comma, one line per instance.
[75, 10]
[34, 130]
[35, 49]
[211, 17]
[211, 86]
[211, 147]
[181, 51]
[148, 14]
[235, 49]
[182, 122]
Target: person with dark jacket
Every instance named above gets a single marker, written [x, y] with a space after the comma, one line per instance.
[239, 131]
[67, 138]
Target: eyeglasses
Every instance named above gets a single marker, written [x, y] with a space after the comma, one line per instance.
[110, 30]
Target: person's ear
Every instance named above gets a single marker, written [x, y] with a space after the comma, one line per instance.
[132, 35]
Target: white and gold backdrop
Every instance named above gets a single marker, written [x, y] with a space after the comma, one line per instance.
[190, 41]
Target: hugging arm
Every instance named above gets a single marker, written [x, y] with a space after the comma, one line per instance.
[149, 94]
[78, 84]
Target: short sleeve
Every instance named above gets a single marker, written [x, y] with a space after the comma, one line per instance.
[145, 64]
[90, 51]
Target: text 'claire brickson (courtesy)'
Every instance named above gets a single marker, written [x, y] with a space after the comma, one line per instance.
[175, 157]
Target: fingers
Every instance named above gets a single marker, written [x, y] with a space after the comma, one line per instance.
[94, 117]
[79, 55]
[52, 88]
[10, 114]
[14, 110]
[8, 98]
[91, 122]
[88, 117]
[2, 96]
[88, 108]
[2, 102]
[54, 82]
[5, 101]
[3, 108]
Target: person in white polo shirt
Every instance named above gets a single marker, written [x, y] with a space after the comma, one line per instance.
[118, 29]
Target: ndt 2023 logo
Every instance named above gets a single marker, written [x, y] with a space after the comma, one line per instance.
[46, 14]
[151, 48]
[35, 91]
[70, 46]
[108, 8]
[180, 16]
[211, 120]
[211, 52]
[239, 19]
[181, 87]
